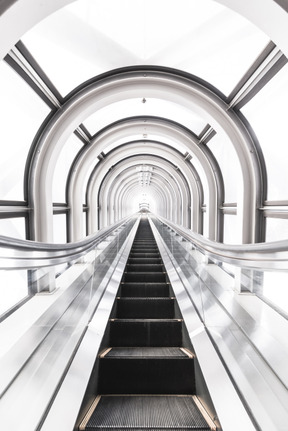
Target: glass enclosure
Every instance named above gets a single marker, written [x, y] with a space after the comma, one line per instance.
[218, 50]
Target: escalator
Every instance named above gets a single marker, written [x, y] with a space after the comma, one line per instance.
[144, 377]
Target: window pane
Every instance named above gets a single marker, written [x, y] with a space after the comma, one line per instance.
[21, 114]
[227, 159]
[267, 113]
[84, 222]
[275, 289]
[13, 227]
[276, 229]
[59, 226]
[197, 165]
[232, 233]
[154, 107]
[13, 288]
[205, 224]
[64, 162]
[201, 37]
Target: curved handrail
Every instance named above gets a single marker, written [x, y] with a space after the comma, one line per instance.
[24, 254]
[261, 256]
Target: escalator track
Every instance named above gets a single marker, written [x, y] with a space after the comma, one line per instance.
[146, 375]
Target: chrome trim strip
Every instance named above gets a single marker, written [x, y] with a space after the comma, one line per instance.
[268, 255]
[21, 254]
[204, 413]
[89, 413]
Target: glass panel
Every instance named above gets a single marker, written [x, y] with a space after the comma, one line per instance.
[84, 222]
[21, 114]
[63, 164]
[267, 113]
[197, 165]
[257, 322]
[175, 144]
[205, 224]
[13, 288]
[202, 38]
[228, 161]
[13, 227]
[88, 173]
[60, 230]
[276, 229]
[275, 289]
[135, 107]
[232, 233]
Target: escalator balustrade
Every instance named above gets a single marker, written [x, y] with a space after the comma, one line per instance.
[146, 377]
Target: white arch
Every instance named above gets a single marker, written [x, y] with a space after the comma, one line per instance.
[170, 197]
[14, 21]
[128, 193]
[118, 179]
[159, 85]
[112, 190]
[125, 152]
[167, 170]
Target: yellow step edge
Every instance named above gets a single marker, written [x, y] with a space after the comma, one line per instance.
[89, 413]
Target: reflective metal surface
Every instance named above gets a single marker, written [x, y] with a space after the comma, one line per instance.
[249, 335]
[272, 255]
[67, 403]
[45, 333]
[21, 254]
[224, 396]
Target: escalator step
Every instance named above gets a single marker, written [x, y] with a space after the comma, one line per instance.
[151, 244]
[146, 332]
[147, 277]
[137, 251]
[144, 255]
[145, 308]
[146, 378]
[147, 352]
[144, 241]
[143, 267]
[146, 375]
[144, 289]
[158, 412]
[144, 260]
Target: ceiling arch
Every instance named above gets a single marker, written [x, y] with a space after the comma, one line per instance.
[127, 194]
[150, 83]
[121, 182]
[131, 168]
[131, 151]
[186, 178]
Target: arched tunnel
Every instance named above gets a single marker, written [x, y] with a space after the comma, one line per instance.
[143, 169]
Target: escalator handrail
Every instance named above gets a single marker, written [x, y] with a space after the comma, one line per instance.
[23, 254]
[268, 255]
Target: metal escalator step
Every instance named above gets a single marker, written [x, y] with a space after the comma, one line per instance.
[146, 375]
[152, 277]
[144, 247]
[147, 250]
[145, 308]
[143, 267]
[139, 240]
[158, 412]
[144, 260]
[144, 255]
[146, 352]
[146, 332]
[143, 289]
[144, 244]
